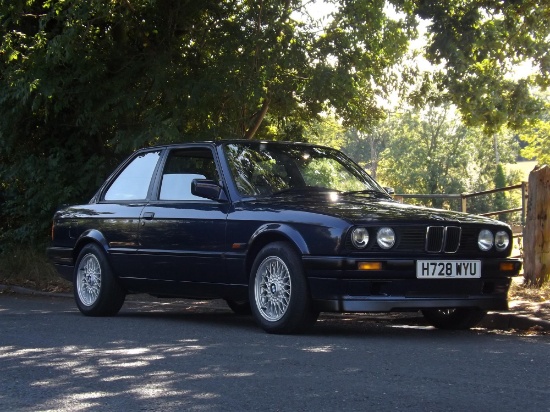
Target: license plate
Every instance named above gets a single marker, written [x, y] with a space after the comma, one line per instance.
[448, 269]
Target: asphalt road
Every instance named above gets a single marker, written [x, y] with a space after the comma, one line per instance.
[184, 355]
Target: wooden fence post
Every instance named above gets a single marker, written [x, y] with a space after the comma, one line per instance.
[536, 237]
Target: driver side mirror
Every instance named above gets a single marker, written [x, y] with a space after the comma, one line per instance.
[208, 189]
[390, 190]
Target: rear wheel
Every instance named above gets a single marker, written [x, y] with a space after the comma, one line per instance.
[454, 318]
[96, 291]
[278, 290]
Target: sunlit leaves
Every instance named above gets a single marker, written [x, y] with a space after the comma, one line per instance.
[537, 137]
[480, 43]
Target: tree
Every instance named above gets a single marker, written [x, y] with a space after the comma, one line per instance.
[426, 155]
[537, 137]
[83, 83]
[500, 201]
[478, 45]
[431, 152]
[366, 147]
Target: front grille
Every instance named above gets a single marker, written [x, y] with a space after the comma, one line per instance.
[442, 239]
[422, 240]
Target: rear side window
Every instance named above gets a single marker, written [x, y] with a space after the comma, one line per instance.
[133, 183]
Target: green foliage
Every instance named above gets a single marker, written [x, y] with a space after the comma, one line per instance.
[479, 44]
[431, 152]
[30, 268]
[500, 201]
[537, 137]
[84, 83]
[426, 154]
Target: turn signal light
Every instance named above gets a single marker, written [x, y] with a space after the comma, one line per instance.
[507, 266]
[369, 265]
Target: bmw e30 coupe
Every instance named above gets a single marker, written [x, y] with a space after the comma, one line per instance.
[282, 230]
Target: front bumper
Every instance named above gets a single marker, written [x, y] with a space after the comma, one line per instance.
[336, 285]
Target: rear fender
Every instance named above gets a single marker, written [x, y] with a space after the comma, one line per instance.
[90, 236]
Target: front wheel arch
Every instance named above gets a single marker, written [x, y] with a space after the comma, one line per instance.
[262, 238]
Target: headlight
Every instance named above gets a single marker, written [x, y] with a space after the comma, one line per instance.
[502, 240]
[360, 237]
[485, 240]
[386, 238]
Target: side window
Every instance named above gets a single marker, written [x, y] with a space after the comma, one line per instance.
[182, 166]
[133, 182]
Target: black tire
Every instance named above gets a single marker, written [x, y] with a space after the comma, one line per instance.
[96, 291]
[278, 291]
[239, 307]
[454, 318]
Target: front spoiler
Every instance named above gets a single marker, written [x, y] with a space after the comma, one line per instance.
[403, 304]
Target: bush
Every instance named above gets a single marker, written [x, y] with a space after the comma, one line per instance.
[30, 268]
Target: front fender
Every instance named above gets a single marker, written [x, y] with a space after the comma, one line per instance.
[278, 230]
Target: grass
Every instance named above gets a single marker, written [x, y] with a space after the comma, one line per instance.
[31, 269]
[519, 291]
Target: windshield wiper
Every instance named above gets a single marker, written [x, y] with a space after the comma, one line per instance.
[297, 190]
[375, 193]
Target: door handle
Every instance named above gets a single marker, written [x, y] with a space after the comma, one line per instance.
[148, 215]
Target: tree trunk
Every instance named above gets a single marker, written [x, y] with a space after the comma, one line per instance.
[258, 118]
[536, 237]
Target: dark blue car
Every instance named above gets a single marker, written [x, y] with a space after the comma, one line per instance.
[282, 230]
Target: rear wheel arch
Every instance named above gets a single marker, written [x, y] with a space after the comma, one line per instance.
[88, 237]
[96, 291]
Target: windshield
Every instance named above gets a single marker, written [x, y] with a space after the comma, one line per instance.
[263, 169]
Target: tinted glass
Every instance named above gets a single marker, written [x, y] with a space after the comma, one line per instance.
[133, 182]
[263, 169]
[181, 168]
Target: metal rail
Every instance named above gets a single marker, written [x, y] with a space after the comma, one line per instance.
[465, 196]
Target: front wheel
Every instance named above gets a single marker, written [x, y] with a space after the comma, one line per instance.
[278, 291]
[96, 291]
[454, 318]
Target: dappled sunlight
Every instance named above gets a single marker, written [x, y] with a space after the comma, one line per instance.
[207, 361]
[319, 349]
[417, 327]
[86, 378]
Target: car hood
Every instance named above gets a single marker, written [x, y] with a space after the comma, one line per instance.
[364, 210]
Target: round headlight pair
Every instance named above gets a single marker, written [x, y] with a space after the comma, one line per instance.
[385, 237]
[486, 240]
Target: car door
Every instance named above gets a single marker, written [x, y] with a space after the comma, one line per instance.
[182, 237]
[116, 215]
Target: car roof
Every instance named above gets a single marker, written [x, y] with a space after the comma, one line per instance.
[220, 142]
